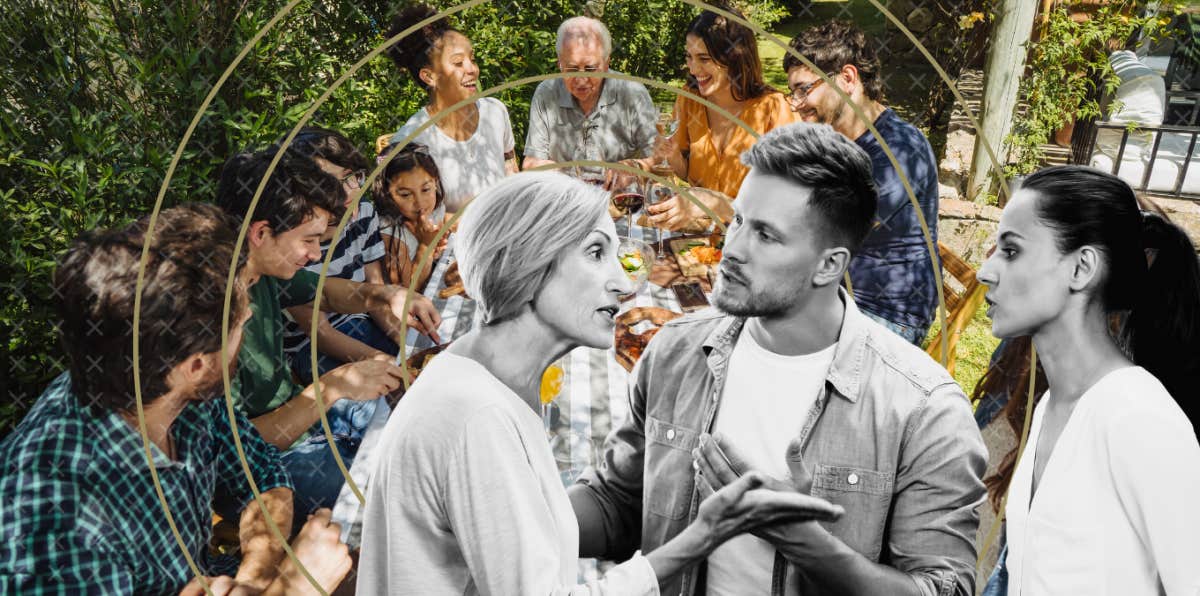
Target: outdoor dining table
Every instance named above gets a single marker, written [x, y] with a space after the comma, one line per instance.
[592, 401]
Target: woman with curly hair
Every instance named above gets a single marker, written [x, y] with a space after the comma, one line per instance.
[473, 145]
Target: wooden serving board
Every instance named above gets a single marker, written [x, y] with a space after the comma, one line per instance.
[688, 265]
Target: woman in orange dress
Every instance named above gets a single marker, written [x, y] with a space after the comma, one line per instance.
[723, 68]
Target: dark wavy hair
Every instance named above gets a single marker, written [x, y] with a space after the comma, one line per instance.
[1151, 293]
[190, 254]
[733, 46]
[416, 51]
[332, 146]
[409, 158]
[296, 189]
[837, 171]
[835, 44]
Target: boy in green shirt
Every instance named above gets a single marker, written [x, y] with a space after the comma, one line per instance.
[293, 210]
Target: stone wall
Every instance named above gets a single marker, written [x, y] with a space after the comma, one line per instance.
[967, 228]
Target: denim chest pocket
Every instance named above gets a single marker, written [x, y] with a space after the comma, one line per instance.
[668, 474]
[867, 497]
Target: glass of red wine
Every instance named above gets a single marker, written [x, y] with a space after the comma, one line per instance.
[628, 200]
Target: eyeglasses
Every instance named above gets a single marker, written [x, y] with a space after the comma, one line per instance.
[591, 68]
[800, 93]
[354, 179]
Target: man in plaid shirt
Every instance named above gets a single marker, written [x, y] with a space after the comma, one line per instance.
[79, 509]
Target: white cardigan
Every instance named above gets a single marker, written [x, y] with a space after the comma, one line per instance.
[1118, 507]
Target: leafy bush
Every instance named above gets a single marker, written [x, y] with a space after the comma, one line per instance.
[97, 96]
[1068, 67]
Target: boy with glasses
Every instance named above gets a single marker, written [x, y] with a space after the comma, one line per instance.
[357, 256]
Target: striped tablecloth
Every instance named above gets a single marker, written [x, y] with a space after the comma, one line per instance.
[592, 401]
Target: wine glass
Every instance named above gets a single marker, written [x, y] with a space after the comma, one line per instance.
[628, 199]
[667, 126]
[573, 452]
[551, 387]
[636, 258]
[656, 193]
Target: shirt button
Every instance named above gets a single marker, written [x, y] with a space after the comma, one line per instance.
[670, 434]
[852, 479]
[696, 465]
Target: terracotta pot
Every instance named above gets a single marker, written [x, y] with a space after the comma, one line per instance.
[1062, 137]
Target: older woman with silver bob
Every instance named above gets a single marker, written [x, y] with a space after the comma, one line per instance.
[466, 498]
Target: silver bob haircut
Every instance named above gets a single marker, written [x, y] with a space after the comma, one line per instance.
[583, 29]
[513, 234]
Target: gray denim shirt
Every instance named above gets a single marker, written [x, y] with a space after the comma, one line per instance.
[891, 438]
[621, 126]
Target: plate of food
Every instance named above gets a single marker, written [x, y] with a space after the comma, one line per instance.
[420, 358]
[453, 283]
[416, 362]
[696, 255]
[629, 342]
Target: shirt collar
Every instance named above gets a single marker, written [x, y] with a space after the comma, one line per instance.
[884, 117]
[127, 442]
[844, 373]
[608, 94]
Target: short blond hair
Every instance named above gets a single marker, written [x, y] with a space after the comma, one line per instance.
[513, 234]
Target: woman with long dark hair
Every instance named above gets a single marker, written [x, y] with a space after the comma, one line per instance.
[473, 145]
[1102, 501]
[723, 67]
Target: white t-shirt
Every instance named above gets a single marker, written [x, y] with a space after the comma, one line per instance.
[766, 401]
[466, 499]
[394, 228]
[1115, 511]
[466, 167]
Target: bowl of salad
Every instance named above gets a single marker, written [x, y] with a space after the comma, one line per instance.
[636, 258]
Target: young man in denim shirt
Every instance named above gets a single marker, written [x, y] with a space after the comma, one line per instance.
[795, 381]
[892, 275]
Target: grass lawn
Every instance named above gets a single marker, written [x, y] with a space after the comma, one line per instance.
[974, 349]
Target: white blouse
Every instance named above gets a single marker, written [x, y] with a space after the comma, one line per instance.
[1117, 509]
[468, 167]
[466, 499]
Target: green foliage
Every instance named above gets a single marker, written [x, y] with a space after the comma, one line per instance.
[1065, 67]
[974, 349]
[97, 96]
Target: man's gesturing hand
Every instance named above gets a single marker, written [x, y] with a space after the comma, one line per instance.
[720, 464]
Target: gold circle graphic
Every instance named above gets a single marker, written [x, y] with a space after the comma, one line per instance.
[425, 259]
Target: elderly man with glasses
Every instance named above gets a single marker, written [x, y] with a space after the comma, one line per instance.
[588, 118]
[892, 274]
